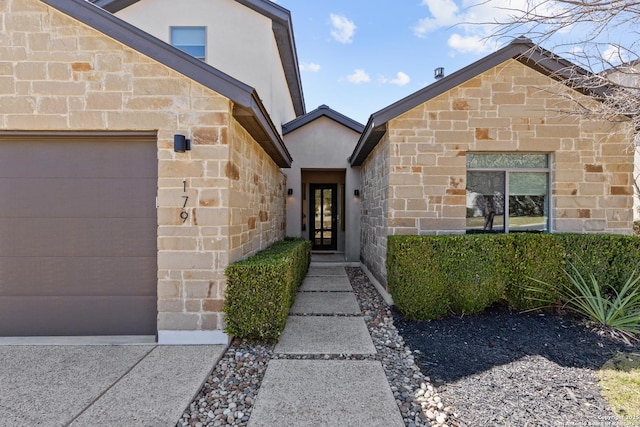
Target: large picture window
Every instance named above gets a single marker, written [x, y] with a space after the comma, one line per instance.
[191, 40]
[507, 193]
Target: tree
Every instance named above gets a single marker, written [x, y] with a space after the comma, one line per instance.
[602, 39]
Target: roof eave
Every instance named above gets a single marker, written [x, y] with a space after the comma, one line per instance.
[262, 129]
[322, 111]
[254, 119]
[113, 6]
[521, 49]
[282, 30]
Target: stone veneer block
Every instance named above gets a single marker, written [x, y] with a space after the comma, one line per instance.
[75, 78]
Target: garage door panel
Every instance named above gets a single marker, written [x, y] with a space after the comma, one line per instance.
[75, 198]
[64, 316]
[78, 234]
[94, 158]
[78, 276]
[69, 237]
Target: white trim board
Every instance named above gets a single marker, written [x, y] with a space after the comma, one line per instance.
[192, 337]
[84, 340]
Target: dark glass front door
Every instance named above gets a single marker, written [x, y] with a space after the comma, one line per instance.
[324, 223]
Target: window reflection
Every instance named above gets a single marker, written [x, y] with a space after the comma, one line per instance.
[485, 201]
[507, 200]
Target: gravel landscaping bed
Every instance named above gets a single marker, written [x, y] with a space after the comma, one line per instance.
[227, 397]
[499, 368]
[515, 369]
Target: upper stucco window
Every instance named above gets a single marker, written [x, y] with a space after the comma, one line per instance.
[192, 40]
[507, 193]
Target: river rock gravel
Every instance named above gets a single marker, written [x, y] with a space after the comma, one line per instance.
[228, 395]
[498, 368]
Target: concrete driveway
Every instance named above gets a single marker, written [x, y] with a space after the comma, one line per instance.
[101, 385]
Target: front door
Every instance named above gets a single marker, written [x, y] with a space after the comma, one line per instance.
[324, 208]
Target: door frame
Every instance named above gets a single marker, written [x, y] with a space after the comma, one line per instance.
[334, 216]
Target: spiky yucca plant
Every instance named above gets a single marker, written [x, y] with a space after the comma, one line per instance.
[603, 304]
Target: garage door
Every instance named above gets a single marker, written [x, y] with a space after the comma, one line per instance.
[78, 234]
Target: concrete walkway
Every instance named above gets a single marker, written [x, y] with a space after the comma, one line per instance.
[101, 385]
[313, 391]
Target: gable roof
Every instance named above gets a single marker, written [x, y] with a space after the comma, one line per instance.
[248, 110]
[322, 111]
[282, 30]
[521, 49]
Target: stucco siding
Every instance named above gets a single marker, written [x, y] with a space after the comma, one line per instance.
[324, 144]
[240, 42]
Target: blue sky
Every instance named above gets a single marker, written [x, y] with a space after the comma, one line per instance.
[359, 56]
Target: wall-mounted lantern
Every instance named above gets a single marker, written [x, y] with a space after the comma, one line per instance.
[290, 192]
[181, 144]
[356, 193]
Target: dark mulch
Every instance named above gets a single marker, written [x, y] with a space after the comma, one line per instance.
[507, 368]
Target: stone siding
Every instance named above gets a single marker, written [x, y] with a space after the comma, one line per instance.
[375, 210]
[256, 197]
[510, 108]
[57, 74]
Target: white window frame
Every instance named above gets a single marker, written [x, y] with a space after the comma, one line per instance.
[179, 27]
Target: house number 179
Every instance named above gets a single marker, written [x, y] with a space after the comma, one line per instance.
[184, 215]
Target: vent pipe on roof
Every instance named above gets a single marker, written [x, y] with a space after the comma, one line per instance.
[439, 73]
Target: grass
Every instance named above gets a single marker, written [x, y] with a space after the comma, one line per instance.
[620, 384]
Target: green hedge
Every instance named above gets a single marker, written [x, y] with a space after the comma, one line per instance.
[262, 288]
[430, 276]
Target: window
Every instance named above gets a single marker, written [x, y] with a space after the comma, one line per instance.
[507, 193]
[191, 40]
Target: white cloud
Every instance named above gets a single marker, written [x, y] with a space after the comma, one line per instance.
[401, 79]
[444, 13]
[343, 28]
[474, 21]
[614, 55]
[310, 66]
[359, 76]
[470, 44]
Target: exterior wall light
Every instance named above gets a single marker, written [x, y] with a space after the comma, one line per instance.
[181, 144]
[356, 193]
[290, 192]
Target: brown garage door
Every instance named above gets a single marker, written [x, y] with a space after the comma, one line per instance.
[78, 234]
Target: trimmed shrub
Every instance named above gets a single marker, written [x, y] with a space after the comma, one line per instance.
[430, 276]
[610, 258]
[524, 256]
[469, 263]
[415, 278]
[261, 289]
